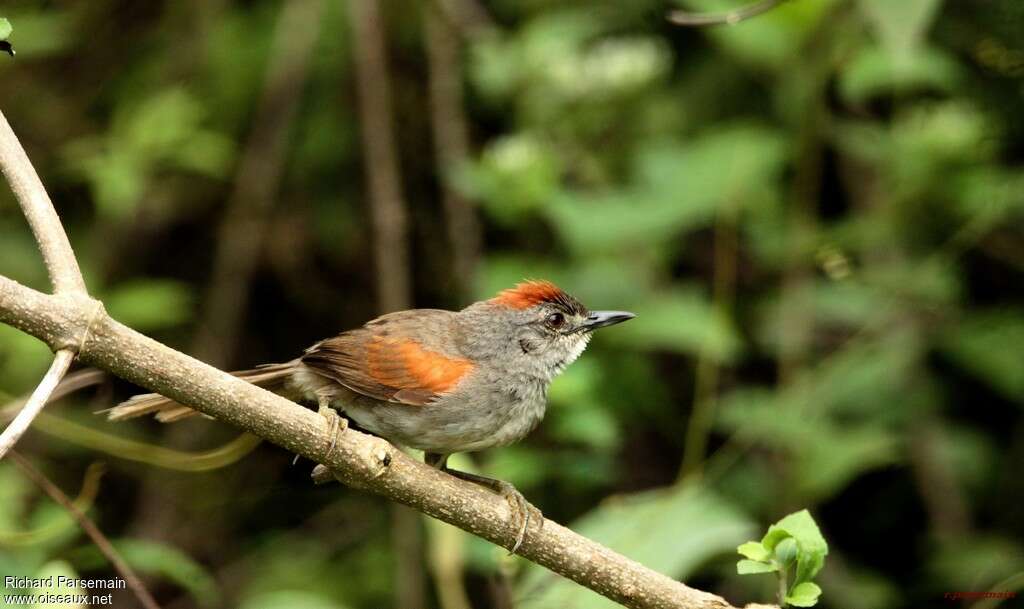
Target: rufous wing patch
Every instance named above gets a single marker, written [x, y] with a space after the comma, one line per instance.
[407, 366]
[386, 368]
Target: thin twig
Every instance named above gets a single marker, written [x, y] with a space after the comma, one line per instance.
[34, 405]
[90, 529]
[732, 17]
[60, 260]
[71, 383]
[86, 496]
[42, 217]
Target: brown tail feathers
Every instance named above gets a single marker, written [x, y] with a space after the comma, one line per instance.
[166, 410]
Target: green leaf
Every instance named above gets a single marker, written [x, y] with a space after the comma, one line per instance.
[748, 567]
[874, 72]
[5, 28]
[158, 559]
[290, 599]
[811, 546]
[682, 320]
[786, 552]
[987, 344]
[61, 571]
[804, 595]
[754, 551]
[47, 32]
[675, 187]
[515, 175]
[903, 24]
[671, 530]
[773, 38]
[829, 462]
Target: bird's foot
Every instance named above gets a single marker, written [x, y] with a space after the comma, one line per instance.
[522, 510]
[336, 424]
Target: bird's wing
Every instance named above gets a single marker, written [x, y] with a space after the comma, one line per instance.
[388, 359]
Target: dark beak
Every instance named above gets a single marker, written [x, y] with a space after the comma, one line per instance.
[600, 319]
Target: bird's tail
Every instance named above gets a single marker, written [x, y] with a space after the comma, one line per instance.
[166, 410]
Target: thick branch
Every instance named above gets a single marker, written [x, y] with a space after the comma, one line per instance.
[360, 460]
[35, 203]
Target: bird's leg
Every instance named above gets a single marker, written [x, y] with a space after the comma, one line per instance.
[336, 423]
[521, 508]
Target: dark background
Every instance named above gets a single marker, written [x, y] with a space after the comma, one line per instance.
[816, 215]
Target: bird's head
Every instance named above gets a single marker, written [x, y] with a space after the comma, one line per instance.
[535, 327]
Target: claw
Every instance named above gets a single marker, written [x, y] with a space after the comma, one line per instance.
[336, 424]
[521, 507]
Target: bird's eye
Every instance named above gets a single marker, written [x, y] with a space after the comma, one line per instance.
[556, 320]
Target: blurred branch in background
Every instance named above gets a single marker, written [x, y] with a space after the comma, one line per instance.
[705, 397]
[241, 235]
[90, 529]
[451, 144]
[391, 248]
[468, 17]
[244, 226]
[380, 162]
[680, 17]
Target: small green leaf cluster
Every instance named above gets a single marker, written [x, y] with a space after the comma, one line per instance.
[791, 545]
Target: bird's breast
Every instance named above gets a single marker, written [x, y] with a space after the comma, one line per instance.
[523, 411]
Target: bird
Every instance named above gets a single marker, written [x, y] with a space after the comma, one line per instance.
[439, 381]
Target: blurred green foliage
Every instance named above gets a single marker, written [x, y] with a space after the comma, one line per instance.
[816, 215]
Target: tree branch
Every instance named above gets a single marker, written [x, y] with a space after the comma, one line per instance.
[60, 264]
[35, 402]
[732, 17]
[358, 459]
[89, 528]
[69, 321]
[35, 203]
